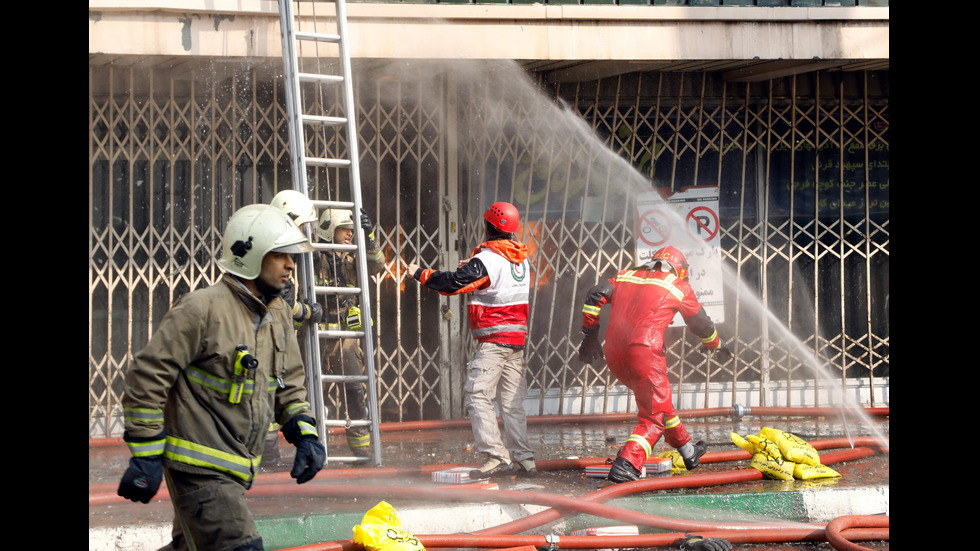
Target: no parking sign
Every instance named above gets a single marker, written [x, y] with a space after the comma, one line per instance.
[687, 220]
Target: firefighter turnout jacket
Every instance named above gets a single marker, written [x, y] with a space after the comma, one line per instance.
[643, 304]
[190, 388]
[339, 269]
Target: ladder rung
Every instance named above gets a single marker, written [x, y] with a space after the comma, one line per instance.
[326, 79]
[332, 204]
[334, 163]
[348, 459]
[324, 290]
[340, 334]
[343, 423]
[326, 121]
[334, 247]
[343, 378]
[319, 37]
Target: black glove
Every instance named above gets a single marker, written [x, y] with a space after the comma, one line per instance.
[312, 312]
[697, 543]
[722, 352]
[368, 227]
[590, 349]
[366, 222]
[300, 431]
[310, 457]
[142, 478]
[288, 293]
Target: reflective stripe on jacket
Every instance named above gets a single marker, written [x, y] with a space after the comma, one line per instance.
[644, 303]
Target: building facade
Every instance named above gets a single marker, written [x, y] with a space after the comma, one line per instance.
[573, 112]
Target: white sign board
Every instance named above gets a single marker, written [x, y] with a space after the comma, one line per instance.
[688, 221]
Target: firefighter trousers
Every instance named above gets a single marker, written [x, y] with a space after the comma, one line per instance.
[645, 373]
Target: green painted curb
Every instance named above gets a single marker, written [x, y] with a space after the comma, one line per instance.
[708, 507]
[291, 531]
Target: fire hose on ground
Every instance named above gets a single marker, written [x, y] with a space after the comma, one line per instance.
[840, 533]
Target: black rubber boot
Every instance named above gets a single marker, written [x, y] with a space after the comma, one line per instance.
[692, 462]
[254, 545]
[622, 471]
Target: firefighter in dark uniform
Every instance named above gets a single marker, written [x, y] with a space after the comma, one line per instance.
[198, 398]
[342, 312]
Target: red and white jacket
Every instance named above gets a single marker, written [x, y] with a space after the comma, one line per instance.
[498, 279]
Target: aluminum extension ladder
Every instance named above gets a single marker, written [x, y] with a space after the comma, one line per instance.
[298, 121]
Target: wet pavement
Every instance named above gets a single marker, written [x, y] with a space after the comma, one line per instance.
[410, 456]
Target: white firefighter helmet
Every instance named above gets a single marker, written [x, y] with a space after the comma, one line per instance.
[296, 205]
[331, 219]
[255, 230]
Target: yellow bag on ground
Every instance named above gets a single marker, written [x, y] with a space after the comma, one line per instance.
[742, 443]
[675, 458]
[803, 471]
[792, 447]
[766, 446]
[381, 530]
[777, 468]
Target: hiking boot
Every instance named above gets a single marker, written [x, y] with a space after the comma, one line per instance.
[692, 462]
[493, 466]
[622, 471]
[526, 467]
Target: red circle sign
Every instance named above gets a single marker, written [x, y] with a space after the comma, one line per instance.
[703, 222]
[652, 231]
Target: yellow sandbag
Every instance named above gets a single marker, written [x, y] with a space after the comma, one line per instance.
[792, 447]
[741, 442]
[765, 446]
[675, 457]
[381, 530]
[802, 471]
[778, 469]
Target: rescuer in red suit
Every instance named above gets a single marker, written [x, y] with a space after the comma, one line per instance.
[644, 300]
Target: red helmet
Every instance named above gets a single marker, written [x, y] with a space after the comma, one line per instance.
[503, 216]
[674, 259]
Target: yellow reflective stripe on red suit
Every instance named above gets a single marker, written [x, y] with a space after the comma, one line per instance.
[666, 283]
[643, 442]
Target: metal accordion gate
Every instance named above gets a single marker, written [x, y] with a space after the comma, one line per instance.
[801, 164]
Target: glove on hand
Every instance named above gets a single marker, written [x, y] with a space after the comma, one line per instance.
[288, 293]
[142, 478]
[722, 352]
[366, 222]
[590, 349]
[300, 431]
[310, 457]
[697, 543]
[316, 312]
[312, 312]
[368, 230]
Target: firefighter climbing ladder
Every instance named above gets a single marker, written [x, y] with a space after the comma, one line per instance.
[298, 121]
